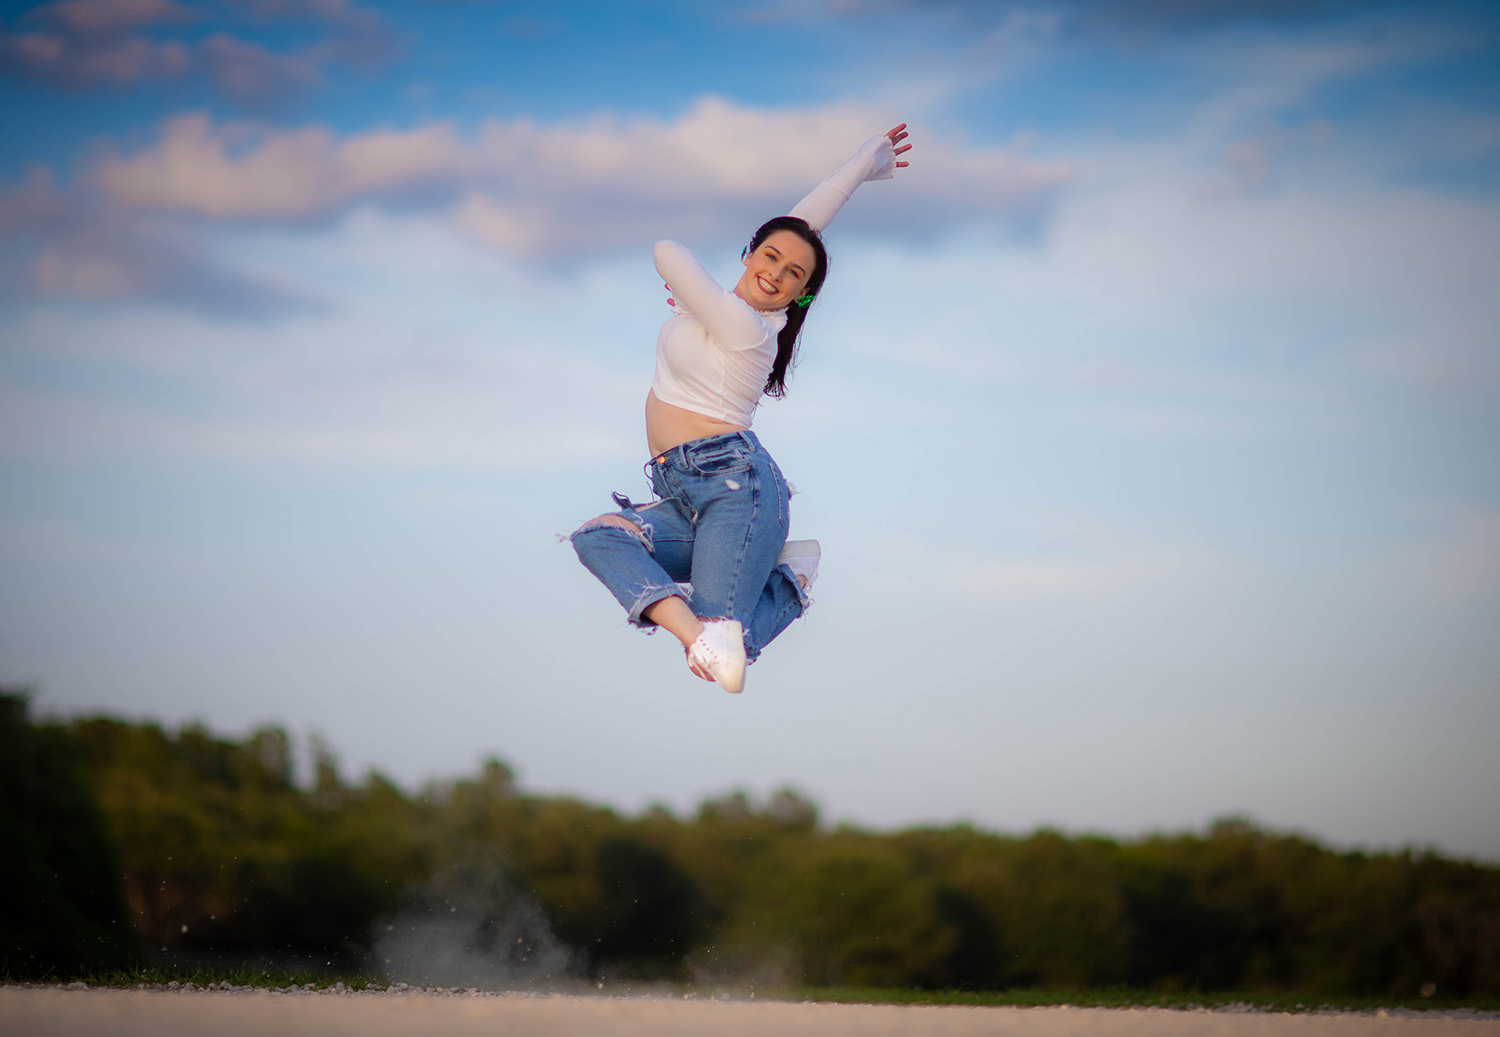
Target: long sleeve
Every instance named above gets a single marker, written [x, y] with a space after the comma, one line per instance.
[729, 320]
[875, 160]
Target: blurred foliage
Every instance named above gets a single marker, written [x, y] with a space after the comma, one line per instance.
[217, 849]
[60, 905]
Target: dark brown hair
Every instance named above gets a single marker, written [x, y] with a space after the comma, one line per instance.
[786, 341]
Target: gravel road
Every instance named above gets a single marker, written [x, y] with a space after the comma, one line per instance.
[57, 1012]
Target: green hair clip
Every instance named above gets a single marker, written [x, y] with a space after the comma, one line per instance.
[804, 300]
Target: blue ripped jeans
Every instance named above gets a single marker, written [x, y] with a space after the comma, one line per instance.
[712, 538]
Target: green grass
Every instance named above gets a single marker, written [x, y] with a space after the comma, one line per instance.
[273, 978]
[200, 976]
[1124, 997]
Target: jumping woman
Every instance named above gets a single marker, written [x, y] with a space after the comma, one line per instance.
[708, 560]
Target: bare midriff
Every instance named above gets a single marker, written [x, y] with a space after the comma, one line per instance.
[668, 425]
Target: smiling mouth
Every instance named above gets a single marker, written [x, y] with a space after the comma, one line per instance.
[767, 286]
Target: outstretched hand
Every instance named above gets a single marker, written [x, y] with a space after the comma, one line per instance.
[897, 135]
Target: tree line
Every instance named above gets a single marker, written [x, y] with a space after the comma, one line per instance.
[122, 842]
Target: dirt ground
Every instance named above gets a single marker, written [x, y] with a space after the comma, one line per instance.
[126, 1013]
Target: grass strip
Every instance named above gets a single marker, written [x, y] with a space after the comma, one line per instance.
[277, 978]
[1126, 997]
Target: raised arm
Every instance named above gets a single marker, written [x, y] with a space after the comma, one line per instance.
[875, 160]
[729, 319]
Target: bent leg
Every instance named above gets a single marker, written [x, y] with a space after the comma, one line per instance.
[740, 533]
[622, 550]
[676, 617]
[781, 601]
[640, 554]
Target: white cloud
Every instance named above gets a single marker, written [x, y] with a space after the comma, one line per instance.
[91, 44]
[209, 171]
[80, 64]
[255, 76]
[110, 17]
[567, 189]
[53, 245]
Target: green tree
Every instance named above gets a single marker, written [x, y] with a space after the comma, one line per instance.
[60, 905]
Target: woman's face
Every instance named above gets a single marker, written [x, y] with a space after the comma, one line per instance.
[776, 271]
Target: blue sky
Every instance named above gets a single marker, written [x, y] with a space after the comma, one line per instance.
[1147, 421]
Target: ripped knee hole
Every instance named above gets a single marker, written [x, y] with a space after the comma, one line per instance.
[612, 520]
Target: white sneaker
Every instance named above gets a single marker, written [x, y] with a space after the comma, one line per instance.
[801, 556]
[719, 653]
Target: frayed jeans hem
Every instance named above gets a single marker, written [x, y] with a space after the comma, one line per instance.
[650, 596]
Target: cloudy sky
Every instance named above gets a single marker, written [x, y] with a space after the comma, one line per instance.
[1149, 420]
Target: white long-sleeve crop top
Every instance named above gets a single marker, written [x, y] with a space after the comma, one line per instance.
[714, 354]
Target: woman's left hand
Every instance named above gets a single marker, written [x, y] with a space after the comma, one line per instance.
[897, 135]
